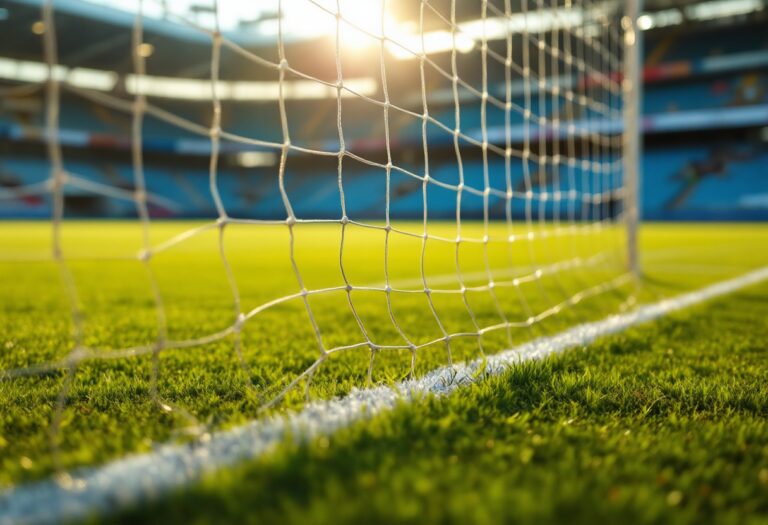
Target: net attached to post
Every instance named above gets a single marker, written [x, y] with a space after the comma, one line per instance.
[376, 192]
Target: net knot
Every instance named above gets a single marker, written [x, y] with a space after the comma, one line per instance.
[76, 355]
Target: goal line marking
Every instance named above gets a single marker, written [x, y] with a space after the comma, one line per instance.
[139, 478]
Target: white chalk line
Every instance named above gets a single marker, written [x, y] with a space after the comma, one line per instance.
[140, 478]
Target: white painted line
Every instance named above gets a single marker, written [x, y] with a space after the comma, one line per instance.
[140, 478]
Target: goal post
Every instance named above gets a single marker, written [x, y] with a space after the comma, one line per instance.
[633, 95]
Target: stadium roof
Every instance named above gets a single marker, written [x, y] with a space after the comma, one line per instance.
[96, 33]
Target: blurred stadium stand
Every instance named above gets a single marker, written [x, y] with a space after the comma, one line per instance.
[705, 124]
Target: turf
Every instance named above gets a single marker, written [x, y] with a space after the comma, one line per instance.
[666, 423]
[110, 410]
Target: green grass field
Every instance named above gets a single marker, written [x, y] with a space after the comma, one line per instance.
[667, 422]
[664, 424]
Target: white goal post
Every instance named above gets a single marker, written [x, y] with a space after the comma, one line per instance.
[633, 93]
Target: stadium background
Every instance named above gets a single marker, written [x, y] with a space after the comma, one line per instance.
[705, 122]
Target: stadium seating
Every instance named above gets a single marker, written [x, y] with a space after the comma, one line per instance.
[706, 184]
[681, 182]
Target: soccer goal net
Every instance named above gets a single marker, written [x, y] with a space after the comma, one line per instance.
[313, 195]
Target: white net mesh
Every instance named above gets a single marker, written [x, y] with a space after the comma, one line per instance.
[416, 183]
